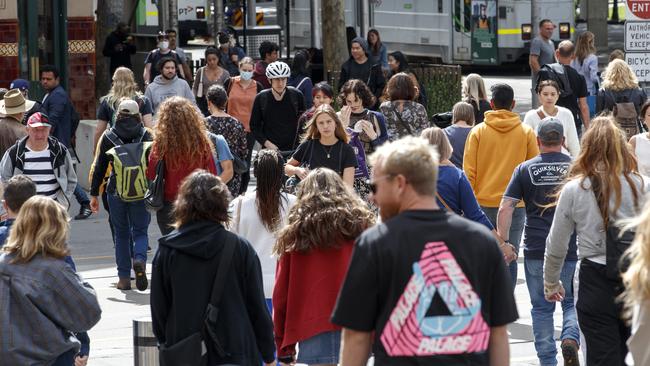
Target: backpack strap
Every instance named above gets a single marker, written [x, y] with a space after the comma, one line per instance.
[540, 114]
[301, 82]
[114, 138]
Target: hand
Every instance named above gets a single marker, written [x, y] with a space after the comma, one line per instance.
[302, 173]
[94, 204]
[269, 145]
[119, 47]
[80, 361]
[557, 295]
[509, 252]
[345, 115]
[368, 129]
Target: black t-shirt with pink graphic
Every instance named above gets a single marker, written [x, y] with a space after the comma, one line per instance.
[430, 285]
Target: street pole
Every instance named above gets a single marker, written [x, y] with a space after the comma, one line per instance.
[109, 13]
[163, 14]
[334, 45]
[597, 23]
[614, 11]
[173, 15]
[218, 17]
[535, 17]
[315, 17]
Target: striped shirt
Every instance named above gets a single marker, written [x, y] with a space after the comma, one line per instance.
[38, 167]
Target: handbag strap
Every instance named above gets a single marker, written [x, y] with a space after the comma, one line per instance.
[399, 118]
[439, 197]
[540, 114]
[224, 267]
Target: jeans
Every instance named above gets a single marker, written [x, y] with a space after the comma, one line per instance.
[542, 310]
[130, 221]
[81, 196]
[516, 229]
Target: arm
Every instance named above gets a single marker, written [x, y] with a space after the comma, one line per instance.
[499, 348]
[584, 111]
[257, 123]
[6, 167]
[226, 171]
[533, 62]
[348, 176]
[109, 46]
[71, 174]
[292, 168]
[504, 217]
[189, 95]
[99, 130]
[593, 70]
[160, 289]
[56, 104]
[99, 167]
[572, 141]
[633, 144]
[146, 75]
[306, 89]
[468, 204]
[532, 150]
[557, 242]
[470, 158]
[355, 347]
[197, 81]
[280, 294]
[147, 120]
[380, 125]
[185, 70]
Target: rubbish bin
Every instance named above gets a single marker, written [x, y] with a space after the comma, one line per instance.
[145, 346]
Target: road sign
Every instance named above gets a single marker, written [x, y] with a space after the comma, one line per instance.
[638, 9]
[637, 36]
[640, 64]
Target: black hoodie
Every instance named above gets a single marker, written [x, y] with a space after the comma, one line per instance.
[184, 269]
[128, 130]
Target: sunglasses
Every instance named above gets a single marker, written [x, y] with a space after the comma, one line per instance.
[372, 185]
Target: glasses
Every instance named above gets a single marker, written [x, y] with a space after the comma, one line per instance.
[372, 185]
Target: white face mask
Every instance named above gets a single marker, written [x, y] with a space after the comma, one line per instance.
[163, 45]
[246, 75]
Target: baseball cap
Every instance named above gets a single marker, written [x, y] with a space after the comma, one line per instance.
[38, 119]
[550, 130]
[21, 84]
[128, 106]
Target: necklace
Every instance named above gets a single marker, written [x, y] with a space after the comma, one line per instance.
[327, 151]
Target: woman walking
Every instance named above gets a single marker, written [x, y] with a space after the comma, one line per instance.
[181, 141]
[378, 51]
[221, 123]
[210, 74]
[586, 61]
[185, 268]
[299, 78]
[620, 85]
[315, 249]
[404, 116]
[602, 188]
[397, 63]
[462, 121]
[474, 94]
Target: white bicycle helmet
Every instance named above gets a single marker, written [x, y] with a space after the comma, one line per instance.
[277, 69]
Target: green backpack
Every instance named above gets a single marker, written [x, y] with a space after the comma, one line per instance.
[129, 166]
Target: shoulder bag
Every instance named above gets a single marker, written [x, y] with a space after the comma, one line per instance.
[199, 92]
[401, 121]
[192, 350]
[154, 198]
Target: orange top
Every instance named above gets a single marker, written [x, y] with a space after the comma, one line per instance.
[240, 102]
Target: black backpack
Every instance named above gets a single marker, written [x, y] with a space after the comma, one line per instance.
[557, 73]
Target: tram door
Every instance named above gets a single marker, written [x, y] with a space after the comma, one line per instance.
[462, 30]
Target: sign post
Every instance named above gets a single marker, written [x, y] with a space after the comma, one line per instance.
[637, 38]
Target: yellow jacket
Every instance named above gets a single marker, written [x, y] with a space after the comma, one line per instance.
[493, 150]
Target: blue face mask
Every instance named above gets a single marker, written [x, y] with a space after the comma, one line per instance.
[246, 75]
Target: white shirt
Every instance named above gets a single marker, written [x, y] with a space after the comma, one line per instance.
[38, 167]
[247, 223]
[642, 152]
[570, 134]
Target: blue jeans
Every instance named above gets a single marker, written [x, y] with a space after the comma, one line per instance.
[516, 229]
[81, 196]
[130, 221]
[542, 310]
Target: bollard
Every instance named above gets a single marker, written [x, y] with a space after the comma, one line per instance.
[145, 346]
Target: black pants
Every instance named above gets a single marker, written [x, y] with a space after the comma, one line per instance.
[165, 219]
[246, 177]
[599, 316]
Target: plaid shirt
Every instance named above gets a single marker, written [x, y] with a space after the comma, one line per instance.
[40, 303]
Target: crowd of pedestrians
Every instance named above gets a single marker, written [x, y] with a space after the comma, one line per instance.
[305, 268]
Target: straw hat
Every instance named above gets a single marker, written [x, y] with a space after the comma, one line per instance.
[15, 103]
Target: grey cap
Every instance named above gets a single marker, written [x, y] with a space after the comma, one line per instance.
[550, 131]
[362, 42]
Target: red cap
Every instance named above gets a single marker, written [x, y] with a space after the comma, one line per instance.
[38, 119]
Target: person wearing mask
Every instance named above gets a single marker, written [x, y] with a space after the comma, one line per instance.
[592, 202]
[268, 54]
[574, 95]
[181, 141]
[42, 289]
[534, 182]
[242, 91]
[123, 86]
[119, 46]
[299, 78]
[418, 252]
[586, 63]
[548, 92]
[462, 121]
[620, 85]
[230, 55]
[325, 144]
[12, 111]
[274, 119]
[397, 63]
[312, 267]
[153, 59]
[360, 67]
[542, 52]
[206, 76]
[641, 142]
[259, 215]
[221, 123]
[493, 150]
[183, 274]
[403, 115]
[129, 218]
[378, 53]
[167, 85]
[474, 94]
[173, 45]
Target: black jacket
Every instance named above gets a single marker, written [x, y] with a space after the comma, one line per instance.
[607, 99]
[373, 76]
[118, 58]
[183, 272]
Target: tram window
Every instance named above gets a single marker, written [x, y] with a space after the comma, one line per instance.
[456, 17]
[440, 9]
[467, 18]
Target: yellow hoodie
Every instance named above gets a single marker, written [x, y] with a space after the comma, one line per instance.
[493, 150]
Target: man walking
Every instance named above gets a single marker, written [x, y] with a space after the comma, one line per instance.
[167, 84]
[268, 54]
[43, 159]
[119, 47]
[534, 181]
[57, 107]
[12, 110]
[430, 287]
[154, 58]
[542, 52]
[492, 152]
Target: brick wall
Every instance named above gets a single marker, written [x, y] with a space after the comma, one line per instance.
[81, 65]
[8, 52]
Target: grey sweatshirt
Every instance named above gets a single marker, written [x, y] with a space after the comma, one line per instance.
[577, 209]
[162, 89]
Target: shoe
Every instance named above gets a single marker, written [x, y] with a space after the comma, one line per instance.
[148, 249]
[570, 352]
[124, 284]
[141, 282]
[84, 212]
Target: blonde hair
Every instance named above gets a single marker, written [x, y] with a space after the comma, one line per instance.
[40, 228]
[312, 127]
[618, 76]
[585, 46]
[637, 276]
[412, 157]
[474, 88]
[463, 111]
[124, 86]
[246, 61]
[438, 138]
